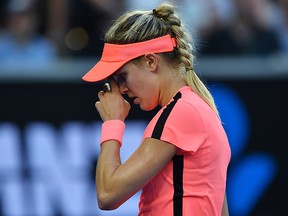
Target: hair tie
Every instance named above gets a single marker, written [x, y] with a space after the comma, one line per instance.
[155, 13]
[189, 68]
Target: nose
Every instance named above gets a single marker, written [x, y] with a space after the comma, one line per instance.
[123, 88]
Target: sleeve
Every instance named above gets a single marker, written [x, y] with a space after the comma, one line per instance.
[184, 128]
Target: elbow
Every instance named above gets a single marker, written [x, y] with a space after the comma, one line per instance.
[106, 206]
[106, 202]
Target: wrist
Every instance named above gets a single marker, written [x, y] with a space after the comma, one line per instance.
[112, 130]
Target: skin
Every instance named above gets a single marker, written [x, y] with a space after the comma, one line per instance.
[225, 210]
[152, 82]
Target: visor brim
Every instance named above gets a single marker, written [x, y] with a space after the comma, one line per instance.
[102, 70]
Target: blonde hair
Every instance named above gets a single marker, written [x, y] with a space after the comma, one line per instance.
[136, 26]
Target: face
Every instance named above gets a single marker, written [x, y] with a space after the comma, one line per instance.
[139, 83]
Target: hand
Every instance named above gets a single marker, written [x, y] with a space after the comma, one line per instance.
[111, 104]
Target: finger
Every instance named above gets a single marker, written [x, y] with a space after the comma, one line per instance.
[106, 87]
[100, 94]
[127, 104]
[97, 104]
[114, 85]
[99, 107]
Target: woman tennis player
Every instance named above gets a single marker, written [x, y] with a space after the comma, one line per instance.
[182, 162]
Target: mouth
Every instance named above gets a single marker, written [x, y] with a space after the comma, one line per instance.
[133, 99]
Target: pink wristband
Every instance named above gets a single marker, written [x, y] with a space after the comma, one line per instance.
[112, 130]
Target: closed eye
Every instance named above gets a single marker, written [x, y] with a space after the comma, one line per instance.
[120, 77]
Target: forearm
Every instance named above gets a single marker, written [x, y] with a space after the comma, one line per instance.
[107, 164]
[115, 182]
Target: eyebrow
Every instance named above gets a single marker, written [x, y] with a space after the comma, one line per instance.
[119, 71]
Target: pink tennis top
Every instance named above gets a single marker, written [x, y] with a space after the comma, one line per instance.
[194, 182]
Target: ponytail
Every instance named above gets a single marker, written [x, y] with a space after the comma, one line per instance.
[167, 13]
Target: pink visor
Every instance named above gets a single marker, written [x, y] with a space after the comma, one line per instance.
[115, 56]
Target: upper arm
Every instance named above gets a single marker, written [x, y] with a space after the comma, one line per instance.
[150, 157]
[225, 211]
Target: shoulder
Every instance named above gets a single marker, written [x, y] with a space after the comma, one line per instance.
[189, 106]
[183, 121]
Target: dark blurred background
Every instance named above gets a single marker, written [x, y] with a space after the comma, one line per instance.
[49, 128]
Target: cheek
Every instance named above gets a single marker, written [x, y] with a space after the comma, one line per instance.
[149, 101]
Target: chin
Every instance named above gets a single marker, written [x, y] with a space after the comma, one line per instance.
[147, 107]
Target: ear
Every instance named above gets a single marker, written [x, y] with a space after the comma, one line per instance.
[151, 60]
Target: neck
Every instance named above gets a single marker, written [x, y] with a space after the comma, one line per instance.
[169, 88]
